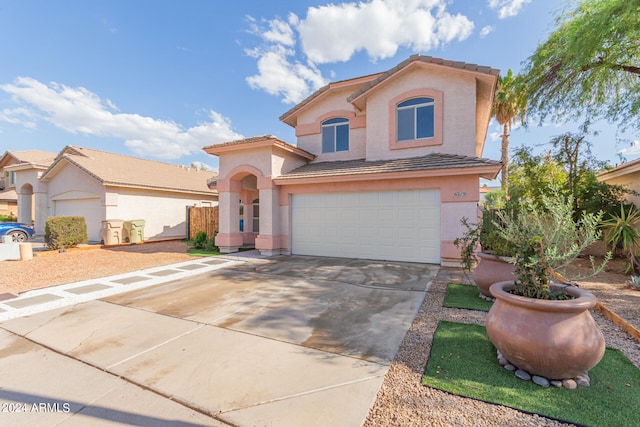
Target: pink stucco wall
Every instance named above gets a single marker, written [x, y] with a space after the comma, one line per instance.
[458, 109]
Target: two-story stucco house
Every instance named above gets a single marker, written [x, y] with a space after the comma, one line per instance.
[385, 167]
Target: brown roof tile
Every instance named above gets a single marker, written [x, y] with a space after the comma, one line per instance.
[382, 76]
[33, 157]
[357, 167]
[127, 171]
[429, 60]
[262, 138]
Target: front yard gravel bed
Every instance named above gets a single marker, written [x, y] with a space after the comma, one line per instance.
[55, 268]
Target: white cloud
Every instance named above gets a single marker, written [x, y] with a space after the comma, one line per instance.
[279, 75]
[203, 166]
[77, 110]
[633, 150]
[486, 30]
[292, 50]
[507, 8]
[335, 32]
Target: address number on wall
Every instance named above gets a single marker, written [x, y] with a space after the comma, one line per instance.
[460, 193]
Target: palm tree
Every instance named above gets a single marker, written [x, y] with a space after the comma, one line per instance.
[509, 105]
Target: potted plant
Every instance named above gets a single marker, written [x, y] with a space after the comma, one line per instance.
[543, 327]
[492, 262]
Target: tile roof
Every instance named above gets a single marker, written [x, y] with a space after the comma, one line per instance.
[379, 77]
[33, 157]
[263, 138]
[250, 140]
[361, 166]
[120, 170]
[428, 60]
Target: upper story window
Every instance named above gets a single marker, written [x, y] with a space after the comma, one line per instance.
[335, 135]
[12, 178]
[415, 119]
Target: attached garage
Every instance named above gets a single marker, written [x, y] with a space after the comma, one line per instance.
[394, 225]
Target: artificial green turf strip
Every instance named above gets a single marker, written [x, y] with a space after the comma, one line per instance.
[463, 361]
[202, 252]
[465, 296]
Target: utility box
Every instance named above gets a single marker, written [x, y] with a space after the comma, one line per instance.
[112, 232]
[134, 230]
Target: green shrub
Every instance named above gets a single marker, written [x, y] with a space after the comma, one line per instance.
[8, 218]
[200, 240]
[211, 245]
[65, 231]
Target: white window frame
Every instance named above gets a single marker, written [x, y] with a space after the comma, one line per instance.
[415, 108]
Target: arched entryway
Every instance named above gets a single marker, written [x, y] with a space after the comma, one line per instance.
[25, 204]
[247, 197]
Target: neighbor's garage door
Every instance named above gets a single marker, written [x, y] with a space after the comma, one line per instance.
[395, 226]
[90, 209]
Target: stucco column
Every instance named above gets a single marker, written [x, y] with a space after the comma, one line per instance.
[42, 212]
[269, 239]
[229, 238]
[25, 208]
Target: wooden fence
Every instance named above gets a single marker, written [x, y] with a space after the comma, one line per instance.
[202, 219]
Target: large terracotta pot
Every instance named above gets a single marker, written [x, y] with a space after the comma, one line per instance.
[491, 269]
[553, 339]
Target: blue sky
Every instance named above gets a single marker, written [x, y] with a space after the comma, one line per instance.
[161, 79]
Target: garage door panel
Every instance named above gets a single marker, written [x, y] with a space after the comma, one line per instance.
[91, 209]
[399, 226]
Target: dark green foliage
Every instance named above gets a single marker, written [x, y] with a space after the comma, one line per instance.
[621, 231]
[62, 232]
[589, 66]
[200, 240]
[487, 234]
[569, 169]
[547, 240]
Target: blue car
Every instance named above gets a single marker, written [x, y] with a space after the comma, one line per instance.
[19, 232]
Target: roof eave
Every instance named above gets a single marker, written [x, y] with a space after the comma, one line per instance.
[167, 189]
[216, 150]
[488, 172]
[290, 117]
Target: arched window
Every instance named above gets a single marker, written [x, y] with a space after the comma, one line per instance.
[415, 119]
[335, 135]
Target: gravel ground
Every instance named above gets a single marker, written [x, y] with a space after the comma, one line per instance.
[402, 400]
[53, 268]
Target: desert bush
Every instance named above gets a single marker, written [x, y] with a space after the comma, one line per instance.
[62, 232]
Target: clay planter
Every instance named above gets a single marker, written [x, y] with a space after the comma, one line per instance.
[491, 269]
[552, 339]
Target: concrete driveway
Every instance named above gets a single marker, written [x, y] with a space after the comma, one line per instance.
[290, 341]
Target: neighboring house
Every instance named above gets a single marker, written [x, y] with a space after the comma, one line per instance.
[627, 175]
[19, 185]
[385, 167]
[100, 185]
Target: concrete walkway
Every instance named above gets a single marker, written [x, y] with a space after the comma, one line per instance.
[285, 341]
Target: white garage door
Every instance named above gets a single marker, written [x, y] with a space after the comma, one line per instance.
[394, 226]
[90, 209]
